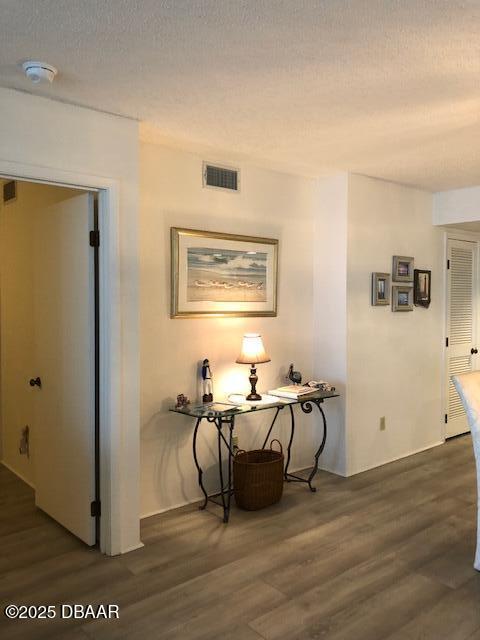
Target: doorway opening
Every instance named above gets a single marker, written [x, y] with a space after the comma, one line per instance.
[50, 350]
[461, 320]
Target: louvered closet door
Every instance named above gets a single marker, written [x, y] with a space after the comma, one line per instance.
[461, 326]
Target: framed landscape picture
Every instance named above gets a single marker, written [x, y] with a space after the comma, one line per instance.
[380, 289]
[402, 270]
[422, 287]
[402, 298]
[221, 275]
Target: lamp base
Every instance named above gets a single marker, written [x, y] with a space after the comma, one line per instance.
[253, 379]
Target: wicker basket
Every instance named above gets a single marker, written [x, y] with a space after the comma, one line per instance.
[258, 477]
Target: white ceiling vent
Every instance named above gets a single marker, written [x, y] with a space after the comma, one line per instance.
[9, 191]
[221, 177]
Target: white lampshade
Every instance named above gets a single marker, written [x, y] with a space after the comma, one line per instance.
[253, 351]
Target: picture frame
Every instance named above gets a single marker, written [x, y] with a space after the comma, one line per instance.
[402, 298]
[422, 285]
[380, 289]
[222, 275]
[402, 269]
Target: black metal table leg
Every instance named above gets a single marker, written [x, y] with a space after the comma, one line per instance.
[271, 427]
[320, 448]
[307, 407]
[231, 427]
[219, 425]
[289, 447]
[197, 464]
[226, 491]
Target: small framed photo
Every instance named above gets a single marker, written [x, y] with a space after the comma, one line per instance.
[380, 289]
[402, 298]
[402, 269]
[421, 287]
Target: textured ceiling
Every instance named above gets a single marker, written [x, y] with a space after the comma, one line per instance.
[387, 88]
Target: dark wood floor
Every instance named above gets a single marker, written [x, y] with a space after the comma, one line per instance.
[383, 555]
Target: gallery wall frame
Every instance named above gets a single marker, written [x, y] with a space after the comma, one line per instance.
[402, 297]
[380, 289]
[217, 274]
[422, 285]
[402, 269]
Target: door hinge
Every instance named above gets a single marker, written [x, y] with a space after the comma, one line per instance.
[446, 342]
[446, 418]
[448, 264]
[95, 238]
[95, 508]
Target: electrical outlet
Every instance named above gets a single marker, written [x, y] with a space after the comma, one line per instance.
[382, 424]
[235, 443]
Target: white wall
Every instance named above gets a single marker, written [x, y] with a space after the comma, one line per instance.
[389, 362]
[63, 138]
[16, 319]
[383, 363]
[456, 205]
[330, 309]
[270, 204]
[394, 359]
[333, 234]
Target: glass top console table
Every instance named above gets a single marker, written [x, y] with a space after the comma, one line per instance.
[223, 416]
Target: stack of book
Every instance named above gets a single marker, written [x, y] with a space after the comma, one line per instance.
[292, 391]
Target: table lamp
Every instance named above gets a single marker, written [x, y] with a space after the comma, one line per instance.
[252, 353]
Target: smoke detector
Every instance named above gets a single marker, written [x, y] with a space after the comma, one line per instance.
[39, 72]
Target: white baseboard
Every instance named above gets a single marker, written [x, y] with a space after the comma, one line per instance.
[157, 512]
[19, 475]
[335, 472]
[400, 457]
[132, 548]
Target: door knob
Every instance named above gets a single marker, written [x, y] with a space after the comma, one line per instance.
[473, 351]
[36, 382]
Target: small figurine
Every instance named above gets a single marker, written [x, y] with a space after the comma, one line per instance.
[182, 401]
[207, 384]
[294, 376]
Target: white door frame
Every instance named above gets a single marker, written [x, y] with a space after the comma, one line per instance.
[469, 236]
[110, 335]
